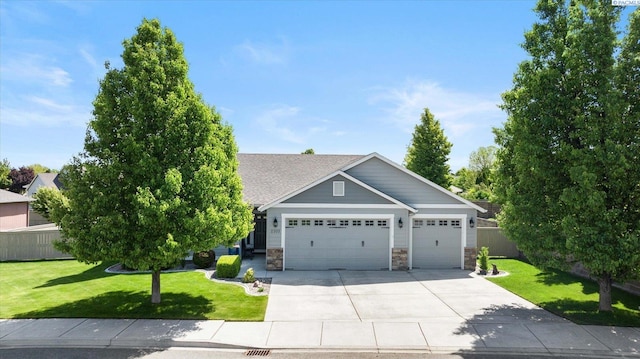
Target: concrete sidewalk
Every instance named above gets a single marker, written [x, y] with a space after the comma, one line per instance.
[437, 336]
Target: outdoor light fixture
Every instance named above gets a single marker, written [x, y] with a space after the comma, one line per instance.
[472, 223]
[400, 223]
[275, 222]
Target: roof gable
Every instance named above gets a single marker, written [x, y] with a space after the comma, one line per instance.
[392, 183]
[338, 175]
[267, 177]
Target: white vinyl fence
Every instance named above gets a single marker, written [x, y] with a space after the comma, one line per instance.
[30, 244]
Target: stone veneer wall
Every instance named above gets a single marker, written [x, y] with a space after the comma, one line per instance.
[274, 258]
[470, 256]
[399, 259]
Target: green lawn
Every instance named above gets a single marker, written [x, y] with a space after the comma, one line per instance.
[564, 294]
[68, 289]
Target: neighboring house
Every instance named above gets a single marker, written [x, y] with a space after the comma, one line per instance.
[315, 212]
[14, 210]
[42, 180]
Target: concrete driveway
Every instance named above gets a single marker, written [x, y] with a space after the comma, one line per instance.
[441, 296]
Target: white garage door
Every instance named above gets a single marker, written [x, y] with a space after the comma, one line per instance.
[320, 244]
[436, 243]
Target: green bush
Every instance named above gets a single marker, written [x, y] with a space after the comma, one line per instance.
[228, 266]
[249, 276]
[483, 257]
[204, 259]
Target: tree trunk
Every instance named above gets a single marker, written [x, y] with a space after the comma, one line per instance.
[605, 292]
[155, 287]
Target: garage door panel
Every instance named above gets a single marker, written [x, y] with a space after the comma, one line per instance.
[339, 247]
[437, 245]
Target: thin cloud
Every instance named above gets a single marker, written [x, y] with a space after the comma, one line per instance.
[31, 68]
[276, 120]
[49, 104]
[264, 53]
[86, 55]
[458, 112]
[46, 113]
[289, 123]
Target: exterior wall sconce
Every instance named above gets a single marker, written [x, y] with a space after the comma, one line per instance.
[472, 223]
[400, 224]
[275, 222]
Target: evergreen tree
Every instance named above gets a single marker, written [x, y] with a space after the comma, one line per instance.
[158, 175]
[428, 153]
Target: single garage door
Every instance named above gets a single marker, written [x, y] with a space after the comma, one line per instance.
[436, 243]
[320, 244]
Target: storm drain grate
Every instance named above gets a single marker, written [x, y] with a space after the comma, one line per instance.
[257, 353]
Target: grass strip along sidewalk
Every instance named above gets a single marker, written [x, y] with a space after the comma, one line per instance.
[69, 289]
[566, 295]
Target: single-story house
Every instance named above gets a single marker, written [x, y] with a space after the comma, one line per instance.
[361, 212]
[14, 210]
[42, 180]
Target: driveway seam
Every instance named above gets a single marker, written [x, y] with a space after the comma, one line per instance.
[349, 295]
[436, 295]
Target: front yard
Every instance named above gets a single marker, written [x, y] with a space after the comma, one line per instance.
[566, 295]
[69, 289]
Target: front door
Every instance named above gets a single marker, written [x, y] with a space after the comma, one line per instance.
[260, 232]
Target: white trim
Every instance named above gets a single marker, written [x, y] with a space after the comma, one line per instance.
[463, 232]
[328, 177]
[441, 206]
[416, 176]
[338, 205]
[285, 216]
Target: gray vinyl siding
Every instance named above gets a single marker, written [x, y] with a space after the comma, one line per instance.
[353, 193]
[401, 235]
[397, 184]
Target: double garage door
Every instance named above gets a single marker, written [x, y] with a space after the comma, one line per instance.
[320, 244]
[437, 243]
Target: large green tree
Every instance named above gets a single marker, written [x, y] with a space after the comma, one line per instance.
[569, 172]
[158, 175]
[428, 153]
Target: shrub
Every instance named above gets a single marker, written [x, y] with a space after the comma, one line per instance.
[249, 276]
[228, 266]
[204, 259]
[483, 257]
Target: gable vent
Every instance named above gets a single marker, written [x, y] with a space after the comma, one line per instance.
[338, 188]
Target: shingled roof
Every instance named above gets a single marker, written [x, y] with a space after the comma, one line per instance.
[267, 177]
[10, 197]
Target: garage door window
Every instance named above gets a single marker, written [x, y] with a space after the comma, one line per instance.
[344, 222]
[431, 222]
[368, 223]
[443, 222]
[455, 223]
[293, 222]
[331, 222]
[305, 222]
[418, 223]
[318, 222]
[356, 223]
[382, 223]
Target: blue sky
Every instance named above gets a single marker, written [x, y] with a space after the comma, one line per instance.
[338, 77]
